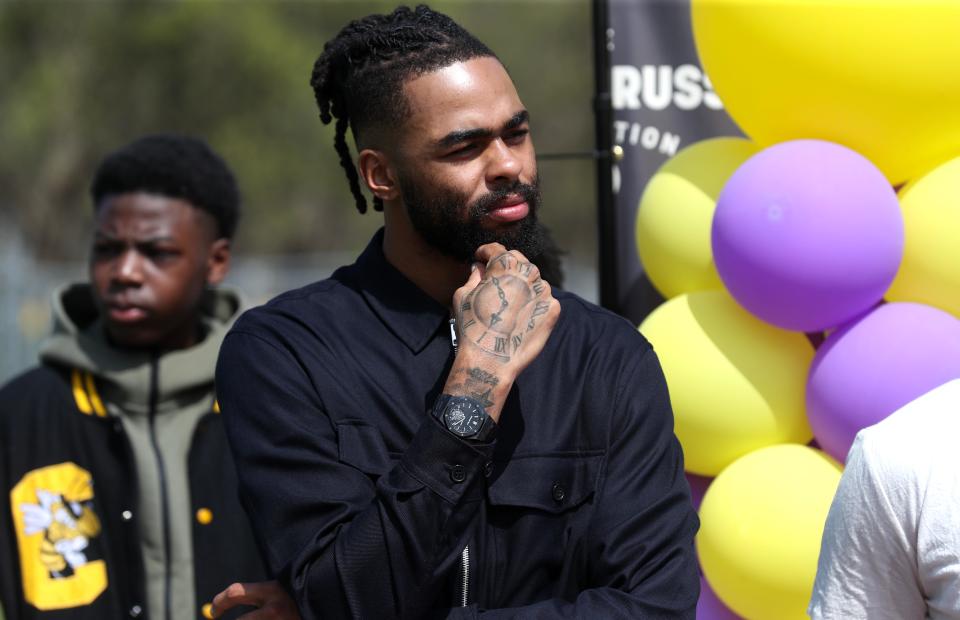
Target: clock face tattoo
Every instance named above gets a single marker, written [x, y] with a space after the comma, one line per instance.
[489, 317]
[495, 317]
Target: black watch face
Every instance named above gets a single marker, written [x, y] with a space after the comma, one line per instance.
[463, 417]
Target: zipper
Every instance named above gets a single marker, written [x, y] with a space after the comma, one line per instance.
[164, 500]
[132, 542]
[465, 567]
[465, 554]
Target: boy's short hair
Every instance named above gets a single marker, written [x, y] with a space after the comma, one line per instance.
[174, 166]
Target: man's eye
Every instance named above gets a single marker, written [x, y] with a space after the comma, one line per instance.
[517, 136]
[106, 250]
[160, 253]
[466, 149]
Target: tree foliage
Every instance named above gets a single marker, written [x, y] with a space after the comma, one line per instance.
[83, 78]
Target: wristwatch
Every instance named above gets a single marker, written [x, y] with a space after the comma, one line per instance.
[465, 417]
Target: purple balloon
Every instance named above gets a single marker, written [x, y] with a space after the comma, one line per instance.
[698, 487]
[807, 234]
[709, 607]
[872, 367]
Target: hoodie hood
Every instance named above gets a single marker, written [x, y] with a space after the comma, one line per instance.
[79, 341]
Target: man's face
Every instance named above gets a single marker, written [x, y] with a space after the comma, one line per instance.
[151, 261]
[467, 169]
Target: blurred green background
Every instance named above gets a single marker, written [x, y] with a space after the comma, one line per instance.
[80, 79]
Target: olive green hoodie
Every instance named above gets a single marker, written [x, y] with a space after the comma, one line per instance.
[159, 400]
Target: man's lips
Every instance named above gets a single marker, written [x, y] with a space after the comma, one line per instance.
[125, 313]
[511, 209]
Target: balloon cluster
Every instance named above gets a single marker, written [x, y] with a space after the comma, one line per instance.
[812, 271]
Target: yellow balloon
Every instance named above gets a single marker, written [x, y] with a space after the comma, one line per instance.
[676, 213]
[930, 270]
[761, 522]
[736, 383]
[873, 75]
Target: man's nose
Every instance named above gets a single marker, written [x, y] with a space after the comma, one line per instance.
[505, 165]
[129, 268]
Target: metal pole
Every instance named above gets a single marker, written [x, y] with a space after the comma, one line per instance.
[603, 116]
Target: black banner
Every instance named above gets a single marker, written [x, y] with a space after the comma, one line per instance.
[662, 102]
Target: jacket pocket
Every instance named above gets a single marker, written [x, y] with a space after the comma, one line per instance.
[550, 483]
[361, 445]
[539, 507]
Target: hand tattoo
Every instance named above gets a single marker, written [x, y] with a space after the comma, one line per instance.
[489, 315]
[495, 317]
[477, 383]
[539, 310]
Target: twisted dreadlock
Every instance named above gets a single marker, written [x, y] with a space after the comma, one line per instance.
[358, 79]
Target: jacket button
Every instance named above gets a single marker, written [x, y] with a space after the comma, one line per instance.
[207, 611]
[488, 469]
[204, 516]
[458, 473]
[136, 611]
[126, 515]
[558, 492]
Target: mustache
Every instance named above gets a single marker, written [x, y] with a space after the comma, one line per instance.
[530, 192]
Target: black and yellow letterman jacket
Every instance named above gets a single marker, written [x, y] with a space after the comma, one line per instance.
[120, 496]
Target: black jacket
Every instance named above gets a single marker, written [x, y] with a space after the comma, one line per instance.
[364, 503]
[72, 526]
[42, 428]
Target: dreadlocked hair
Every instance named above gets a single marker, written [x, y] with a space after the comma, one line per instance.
[358, 79]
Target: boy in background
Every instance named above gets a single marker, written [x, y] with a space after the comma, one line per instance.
[121, 487]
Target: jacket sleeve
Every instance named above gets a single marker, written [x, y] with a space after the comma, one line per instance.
[642, 562]
[10, 587]
[344, 546]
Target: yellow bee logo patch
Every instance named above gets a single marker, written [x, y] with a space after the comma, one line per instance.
[57, 530]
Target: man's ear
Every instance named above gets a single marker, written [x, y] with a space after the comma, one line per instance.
[378, 173]
[218, 261]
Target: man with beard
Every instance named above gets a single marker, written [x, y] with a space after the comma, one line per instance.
[434, 431]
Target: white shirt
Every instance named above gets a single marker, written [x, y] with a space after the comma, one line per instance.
[891, 543]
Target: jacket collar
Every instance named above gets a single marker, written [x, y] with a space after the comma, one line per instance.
[121, 375]
[409, 313]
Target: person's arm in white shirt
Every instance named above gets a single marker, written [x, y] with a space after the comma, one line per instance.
[868, 564]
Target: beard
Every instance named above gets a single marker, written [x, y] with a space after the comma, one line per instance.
[437, 215]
